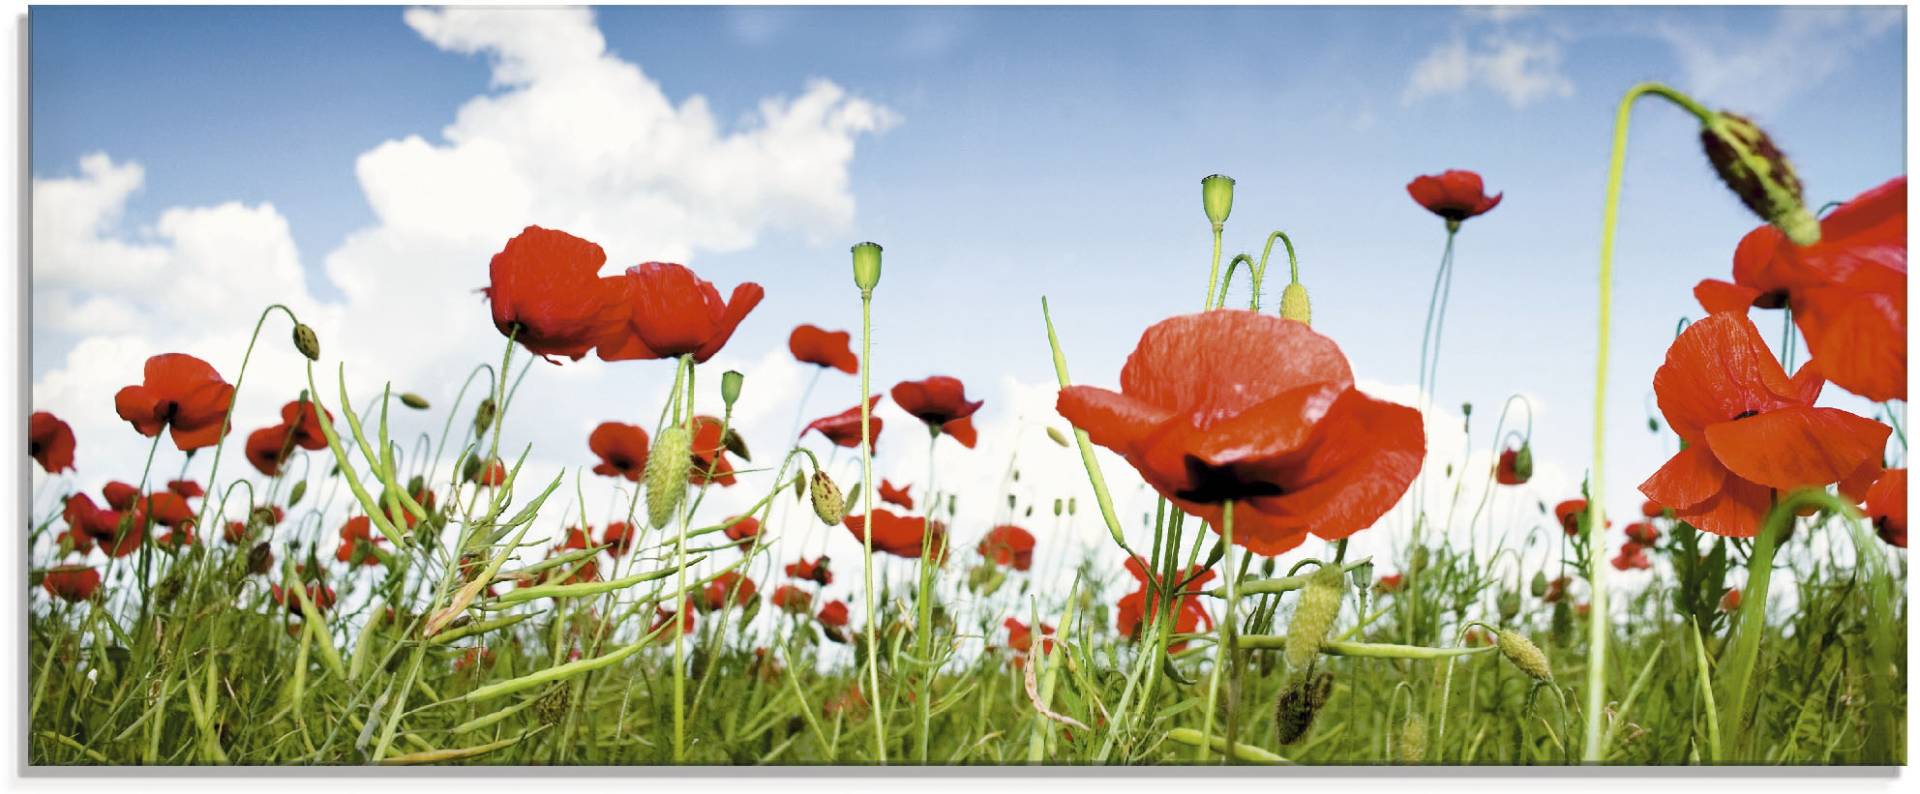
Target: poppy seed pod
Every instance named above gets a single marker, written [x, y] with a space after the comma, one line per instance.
[1216, 195]
[305, 341]
[828, 504]
[866, 265]
[666, 473]
[1299, 704]
[1313, 617]
[1758, 172]
[1294, 304]
[730, 387]
[414, 401]
[1412, 748]
[1525, 655]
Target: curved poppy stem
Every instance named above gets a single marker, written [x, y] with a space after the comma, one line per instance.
[1226, 284]
[1260, 273]
[866, 511]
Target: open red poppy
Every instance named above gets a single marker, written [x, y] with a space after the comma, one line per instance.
[898, 495]
[1749, 430]
[1652, 509]
[166, 508]
[742, 530]
[936, 401]
[492, 474]
[120, 495]
[86, 518]
[1643, 533]
[1632, 557]
[1231, 405]
[1008, 545]
[843, 429]
[1887, 506]
[268, 449]
[321, 595]
[622, 449]
[354, 535]
[1020, 640]
[710, 448]
[812, 345]
[50, 442]
[181, 393]
[303, 422]
[1848, 292]
[1391, 583]
[814, 570]
[901, 536]
[1570, 513]
[618, 537]
[792, 600]
[187, 489]
[1134, 609]
[671, 313]
[961, 430]
[74, 583]
[1454, 194]
[546, 293]
[714, 595]
[1731, 601]
[834, 615]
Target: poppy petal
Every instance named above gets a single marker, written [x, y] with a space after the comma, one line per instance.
[1795, 447]
[1687, 479]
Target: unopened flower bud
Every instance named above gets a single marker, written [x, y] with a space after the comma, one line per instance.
[799, 486]
[1525, 655]
[483, 416]
[730, 386]
[666, 473]
[1057, 436]
[827, 502]
[1539, 585]
[299, 492]
[1294, 304]
[1299, 704]
[1523, 462]
[1758, 172]
[1412, 747]
[305, 341]
[866, 265]
[1216, 195]
[1509, 604]
[260, 559]
[1313, 617]
[853, 495]
[414, 401]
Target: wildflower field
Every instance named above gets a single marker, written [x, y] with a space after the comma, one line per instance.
[323, 590]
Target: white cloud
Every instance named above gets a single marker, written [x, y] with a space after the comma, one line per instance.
[1800, 51]
[1521, 70]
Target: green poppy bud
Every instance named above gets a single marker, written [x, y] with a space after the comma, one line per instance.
[1216, 196]
[305, 341]
[1509, 604]
[299, 492]
[414, 401]
[1057, 436]
[483, 416]
[1539, 584]
[730, 386]
[866, 265]
[1525, 655]
[1523, 462]
[1759, 173]
[1294, 304]
[666, 473]
[828, 504]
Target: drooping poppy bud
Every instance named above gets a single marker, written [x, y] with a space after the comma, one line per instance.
[1525, 655]
[1216, 196]
[1412, 748]
[1057, 436]
[414, 401]
[866, 265]
[483, 416]
[1509, 604]
[1294, 304]
[1313, 617]
[1539, 585]
[1299, 704]
[666, 473]
[1758, 172]
[305, 341]
[828, 504]
[299, 492]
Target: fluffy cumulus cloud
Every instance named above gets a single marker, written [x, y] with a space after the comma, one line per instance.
[1521, 69]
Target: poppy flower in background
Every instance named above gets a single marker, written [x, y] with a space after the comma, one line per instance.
[901, 536]
[1232, 405]
[1652, 509]
[302, 421]
[166, 508]
[1556, 589]
[74, 583]
[1887, 506]
[176, 537]
[1020, 640]
[187, 489]
[1008, 545]
[127, 536]
[1391, 583]
[851, 702]
[1189, 616]
[120, 495]
[1506, 471]
[961, 430]
[575, 538]
[896, 494]
[813, 345]
[742, 530]
[85, 517]
[1477, 637]
[180, 393]
[618, 537]
[546, 293]
[358, 531]
[268, 450]
[472, 659]
[671, 313]
[1454, 194]
[1750, 430]
[321, 595]
[710, 449]
[936, 401]
[1731, 601]
[792, 600]
[714, 595]
[75, 539]
[834, 615]
[1569, 513]
[50, 442]
[811, 570]
[1632, 557]
[1848, 292]
[1643, 533]
[843, 429]
[622, 449]
[492, 475]
[663, 619]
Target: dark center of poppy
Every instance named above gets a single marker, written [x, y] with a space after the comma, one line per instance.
[1745, 414]
[33, 448]
[1210, 484]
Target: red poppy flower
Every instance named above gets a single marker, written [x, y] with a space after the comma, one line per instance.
[120, 495]
[74, 583]
[1632, 557]
[1391, 583]
[1652, 509]
[843, 428]
[1643, 533]
[714, 595]
[50, 442]
[1569, 513]
[664, 618]
[86, 518]
[127, 535]
[546, 293]
[1454, 195]
[710, 462]
[672, 313]
[1556, 589]
[166, 508]
[899, 495]
[358, 532]
[187, 489]
[303, 422]
[1506, 473]
[961, 430]
[851, 702]
[1020, 640]
[71, 539]
[1750, 430]
[1008, 545]
[1134, 608]
[618, 537]
[811, 570]
[492, 475]
[936, 401]
[901, 536]
[1582, 609]
[473, 659]
[237, 531]
[622, 449]
[1887, 506]
[812, 345]
[179, 392]
[321, 595]
[742, 530]
[792, 600]
[1235, 405]
[176, 537]
[1731, 601]
[1477, 637]
[834, 615]
[1848, 292]
[268, 449]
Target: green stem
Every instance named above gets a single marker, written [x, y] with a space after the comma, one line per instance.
[1213, 275]
[866, 511]
[1221, 653]
[680, 597]
[923, 636]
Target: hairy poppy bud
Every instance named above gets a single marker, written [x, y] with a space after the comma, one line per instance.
[1216, 195]
[1509, 604]
[414, 401]
[483, 416]
[260, 559]
[1412, 748]
[1758, 172]
[828, 504]
[1058, 506]
[1561, 629]
[305, 341]
[1525, 655]
[799, 486]
[299, 492]
[470, 470]
[1539, 585]
[1294, 304]
[552, 706]
[866, 265]
[730, 386]
[666, 473]
[1299, 704]
[1313, 617]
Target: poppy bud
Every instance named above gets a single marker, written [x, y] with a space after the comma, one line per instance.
[1561, 630]
[1418, 562]
[1057, 436]
[483, 416]
[1313, 617]
[732, 442]
[1216, 195]
[1298, 705]
[828, 504]
[306, 342]
[1523, 462]
[730, 386]
[260, 559]
[666, 473]
[1525, 655]
[414, 401]
[1412, 748]
[470, 471]
[799, 487]
[1758, 172]
[853, 495]
[1294, 304]
[866, 266]
[1509, 604]
[1057, 507]
[552, 706]
[1074, 502]
[1539, 585]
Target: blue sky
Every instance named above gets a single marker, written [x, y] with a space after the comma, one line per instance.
[1020, 152]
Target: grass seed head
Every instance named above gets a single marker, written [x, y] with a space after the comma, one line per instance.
[1525, 655]
[666, 473]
